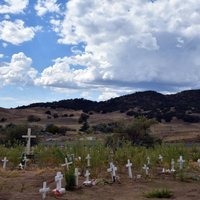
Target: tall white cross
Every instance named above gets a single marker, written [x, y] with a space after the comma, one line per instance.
[146, 168]
[160, 157]
[44, 190]
[87, 175]
[129, 165]
[66, 164]
[88, 158]
[76, 174]
[4, 162]
[181, 161]
[172, 166]
[58, 180]
[28, 145]
[113, 170]
[198, 161]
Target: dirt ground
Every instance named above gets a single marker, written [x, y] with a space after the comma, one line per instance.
[25, 185]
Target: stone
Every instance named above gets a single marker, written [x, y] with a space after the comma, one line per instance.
[181, 161]
[44, 190]
[58, 179]
[4, 162]
[129, 165]
[88, 158]
[66, 164]
[76, 174]
[28, 145]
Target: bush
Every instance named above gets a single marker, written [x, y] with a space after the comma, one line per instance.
[162, 193]
[33, 118]
[83, 118]
[70, 179]
[55, 115]
[84, 127]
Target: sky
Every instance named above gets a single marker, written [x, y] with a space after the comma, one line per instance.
[96, 49]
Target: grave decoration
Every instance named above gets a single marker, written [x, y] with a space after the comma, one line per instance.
[146, 169]
[44, 190]
[66, 164]
[181, 162]
[4, 162]
[129, 165]
[87, 180]
[58, 179]
[112, 170]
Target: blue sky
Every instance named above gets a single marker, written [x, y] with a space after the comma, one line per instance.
[57, 49]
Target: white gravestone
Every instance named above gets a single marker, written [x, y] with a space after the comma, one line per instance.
[88, 158]
[146, 169]
[58, 180]
[112, 170]
[87, 180]
[66, 164]
[76, 174]
[44, 190]
[172, 166]
[129, 165]
[28, 145]
[160, 157]
[181, 161]
[198, 161]
[4, 162]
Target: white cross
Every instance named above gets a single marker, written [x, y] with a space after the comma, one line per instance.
[148, 160]
[44, 190]
[160, 158]
[58, 180]
[66, 163]
[129, 165]
[198, 161]
[76, 174]
[28, 145]
[4, 162]
[87, 175]
[113, 170]
[88, 158]
[146, 168]
[172, 166]
[25, 159]
[181, 161]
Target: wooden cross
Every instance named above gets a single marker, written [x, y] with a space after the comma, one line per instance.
[28, 145]
[87, 175]
[172, 166]
[129, 165]
[66, 164]
[88, 158]
[146, 168]
[44, 190]
[76, 174]
[181, 161]
[113, 170]
[160, 157]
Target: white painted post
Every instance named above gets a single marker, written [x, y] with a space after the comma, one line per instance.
[66, 164]
[88, 158]
[76, 174]
[146, 168]
[181, 161]
[44, 190]
[28, 145]
[172, 166]
[129, 165]
[4, 162]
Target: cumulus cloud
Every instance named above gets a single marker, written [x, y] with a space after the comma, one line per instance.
[132, 44]
[1, 55]
[13, 6]
[18, 71]
[15, 32]
[44, 6]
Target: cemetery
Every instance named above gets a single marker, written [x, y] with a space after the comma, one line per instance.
[85, 170]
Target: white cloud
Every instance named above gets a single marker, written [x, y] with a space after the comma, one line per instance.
[18, 71]
[44, 6]
[1, 55]
[4, 44]
[133, 43]
[13, 6]
[15, 32]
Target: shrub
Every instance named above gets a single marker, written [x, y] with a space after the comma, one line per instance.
[48, 112]
[55, 115]
[159, 193]
[33, 118]
[83, 118]
[84, 127]
[70, 179]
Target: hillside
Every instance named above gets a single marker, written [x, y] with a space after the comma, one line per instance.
[184, 105]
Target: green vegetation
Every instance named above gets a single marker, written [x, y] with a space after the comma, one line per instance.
[159, 193]
[70, 179]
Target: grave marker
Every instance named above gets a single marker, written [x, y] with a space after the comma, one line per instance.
[4, 162]
[87, 175]
[88, 158]
[148, 160]
[198, 161]
[76, 174]
[113, 170]
[129, 165]
[172, 166]
[160, 157]
[66, 164]
[44, 190]
[58, 180]
[28, 145]
[181, 161]
[146, 169]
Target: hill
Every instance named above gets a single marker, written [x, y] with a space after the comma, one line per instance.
[183, 105]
